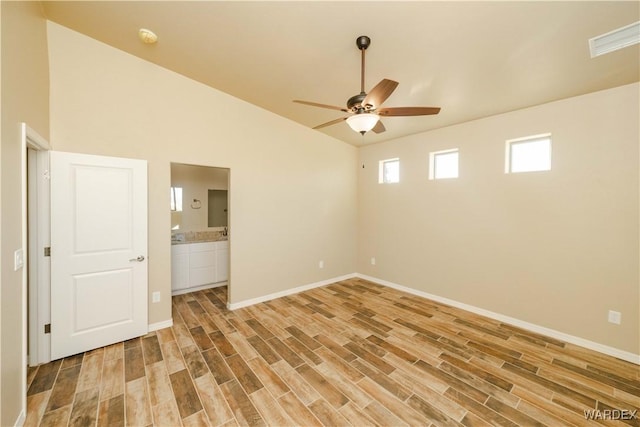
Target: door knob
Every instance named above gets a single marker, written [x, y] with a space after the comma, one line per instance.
[139, 259]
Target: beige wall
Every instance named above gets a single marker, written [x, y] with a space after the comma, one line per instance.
[196, 181]
[25, 98]
[557, 249]
[292, 190]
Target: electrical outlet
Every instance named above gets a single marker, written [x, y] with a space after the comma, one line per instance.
[615, 317]
[155, 297]
[320, 264]
[373, 261]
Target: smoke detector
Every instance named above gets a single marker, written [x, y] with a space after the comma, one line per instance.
[147, 36]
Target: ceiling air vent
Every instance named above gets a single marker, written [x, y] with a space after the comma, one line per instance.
[614, 40]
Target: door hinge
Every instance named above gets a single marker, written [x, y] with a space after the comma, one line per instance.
[47, 251]
[47, 328]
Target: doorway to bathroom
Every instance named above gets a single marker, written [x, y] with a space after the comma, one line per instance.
[200, 227]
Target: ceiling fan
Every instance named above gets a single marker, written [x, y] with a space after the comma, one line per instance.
[366, 108]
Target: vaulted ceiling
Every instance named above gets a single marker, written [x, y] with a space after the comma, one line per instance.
[472, 59]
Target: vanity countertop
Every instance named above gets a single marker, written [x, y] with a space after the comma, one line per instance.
[197, 237]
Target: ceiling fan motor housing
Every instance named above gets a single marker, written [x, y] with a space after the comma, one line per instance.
[355, 102]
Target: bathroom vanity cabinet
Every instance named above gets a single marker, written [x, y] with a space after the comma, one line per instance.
[198, 265]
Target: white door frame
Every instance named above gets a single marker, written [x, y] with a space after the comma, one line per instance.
[29, 138]
[39, 237]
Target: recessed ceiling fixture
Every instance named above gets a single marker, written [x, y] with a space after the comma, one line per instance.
[366, 108]
[147, 36]
[614, 40]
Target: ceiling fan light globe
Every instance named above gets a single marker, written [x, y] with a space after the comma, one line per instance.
[362, 122]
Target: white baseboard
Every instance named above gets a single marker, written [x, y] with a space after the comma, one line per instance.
[160, 325]
[601, 348]
[247, 303]
[552, 333]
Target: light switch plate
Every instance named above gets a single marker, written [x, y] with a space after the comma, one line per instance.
[18, 259]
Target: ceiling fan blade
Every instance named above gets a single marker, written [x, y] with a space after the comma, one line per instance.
[315, 104]
[408, 111]
[332, 122]
[380, 93]
[379, 127]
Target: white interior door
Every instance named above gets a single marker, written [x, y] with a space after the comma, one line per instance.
[98, 251]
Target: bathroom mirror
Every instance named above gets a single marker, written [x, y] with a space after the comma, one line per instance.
[217, 213]
[193, 206]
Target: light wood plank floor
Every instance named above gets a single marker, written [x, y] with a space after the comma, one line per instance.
[351, 353]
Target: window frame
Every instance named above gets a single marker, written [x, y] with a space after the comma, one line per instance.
[433, 161]
[381, 170]
[176, 200]
[508, 161]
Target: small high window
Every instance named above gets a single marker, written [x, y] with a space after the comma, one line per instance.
[528, 154]
[443, 164]
[389, 172]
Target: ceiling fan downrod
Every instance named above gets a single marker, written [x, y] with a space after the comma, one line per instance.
[354, 104]
[363, 43]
